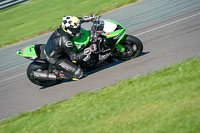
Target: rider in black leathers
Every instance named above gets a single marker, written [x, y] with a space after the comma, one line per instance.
[59, 47]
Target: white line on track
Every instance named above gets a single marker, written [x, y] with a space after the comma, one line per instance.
[177, 21]
[12, 77]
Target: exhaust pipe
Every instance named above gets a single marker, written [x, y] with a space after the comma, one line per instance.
[44, 76]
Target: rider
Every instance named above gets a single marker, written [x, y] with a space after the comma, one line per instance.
[59, 47]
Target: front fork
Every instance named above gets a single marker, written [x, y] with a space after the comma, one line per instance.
[118, 45]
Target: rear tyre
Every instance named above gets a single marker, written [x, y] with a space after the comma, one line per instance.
[133, 48]
[36, 66]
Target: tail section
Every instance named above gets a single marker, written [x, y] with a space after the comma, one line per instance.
[28, 52]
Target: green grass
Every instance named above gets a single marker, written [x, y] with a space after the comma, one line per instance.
[164, 101]
[38, 16]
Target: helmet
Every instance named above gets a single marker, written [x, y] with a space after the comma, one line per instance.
[71, 25]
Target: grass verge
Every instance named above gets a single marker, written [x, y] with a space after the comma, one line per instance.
[164, 101]
[38, 16]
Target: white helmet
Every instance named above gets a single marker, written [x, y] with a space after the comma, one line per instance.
[71, 25]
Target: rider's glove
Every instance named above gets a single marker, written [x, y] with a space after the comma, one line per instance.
[89, 18]
[92, 16]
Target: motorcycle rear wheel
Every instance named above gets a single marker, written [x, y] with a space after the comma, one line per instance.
[36, 66]
[133, 48]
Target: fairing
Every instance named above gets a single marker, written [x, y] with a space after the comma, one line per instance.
[28, 52]
[81, 41]
[117, 35]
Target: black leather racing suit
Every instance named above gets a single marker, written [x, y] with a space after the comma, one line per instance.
[59, 51]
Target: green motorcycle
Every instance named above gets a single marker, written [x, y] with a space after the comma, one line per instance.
[111, 41]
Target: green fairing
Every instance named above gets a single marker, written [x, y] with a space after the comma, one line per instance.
[115, 33]
[28, 52]
[121, 33]
[81, 41]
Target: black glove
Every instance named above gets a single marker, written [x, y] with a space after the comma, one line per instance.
[92, 16]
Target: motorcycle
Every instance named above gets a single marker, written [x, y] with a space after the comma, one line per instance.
[110, 38]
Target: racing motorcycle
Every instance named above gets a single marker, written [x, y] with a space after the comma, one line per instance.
[110, 38]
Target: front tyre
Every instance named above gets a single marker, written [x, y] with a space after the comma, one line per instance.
[133, 48]
[36, 66]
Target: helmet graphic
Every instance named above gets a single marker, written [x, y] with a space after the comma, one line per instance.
[71, 25]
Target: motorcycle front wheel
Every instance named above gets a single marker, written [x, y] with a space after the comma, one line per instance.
[133, 48]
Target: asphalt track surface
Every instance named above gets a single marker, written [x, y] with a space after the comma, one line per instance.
[169, 30]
